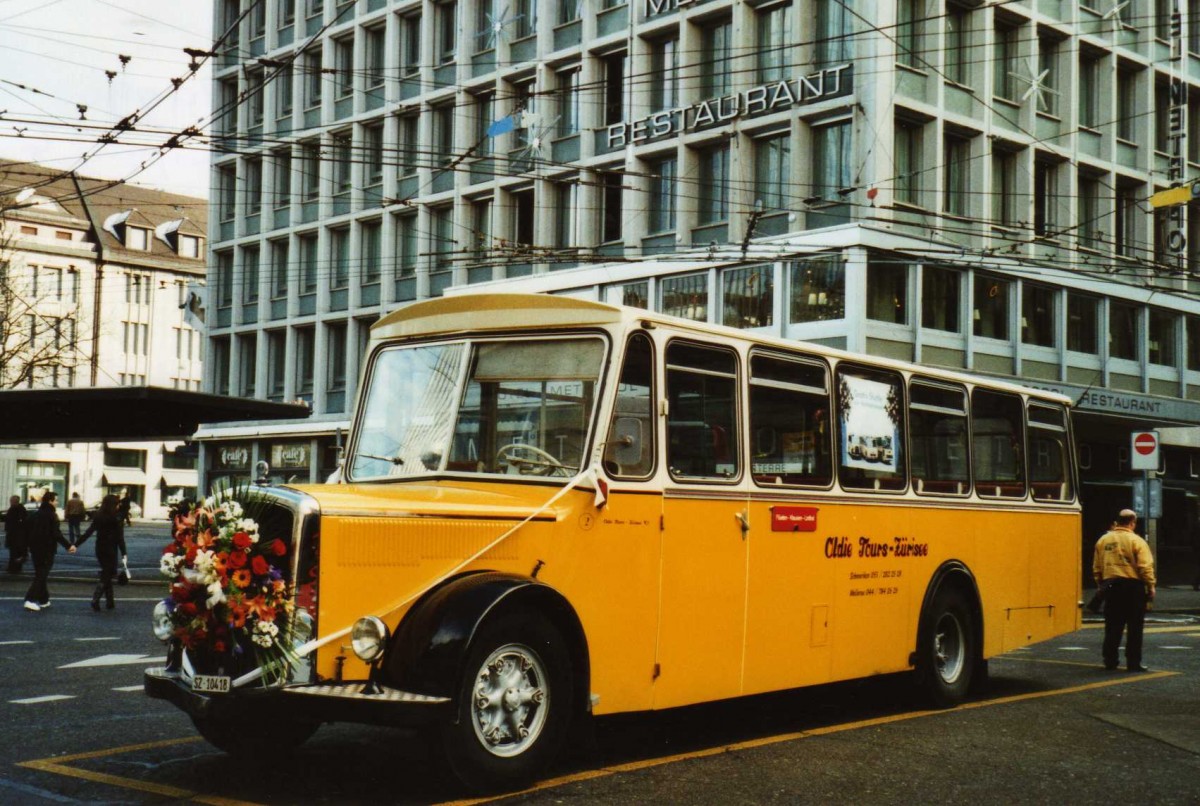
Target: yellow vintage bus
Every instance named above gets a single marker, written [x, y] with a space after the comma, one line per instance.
[550, 508]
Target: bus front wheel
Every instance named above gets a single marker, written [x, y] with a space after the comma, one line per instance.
[946, 651]
[514, 704]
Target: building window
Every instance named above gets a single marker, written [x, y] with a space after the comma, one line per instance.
[286, 13]
[772, 173]
[189, 246]
[254, 97]
[818, 289]
[1122, 331]
[568, 102]
[662, 195]
[716, 75]
[313, 77]
[335, 367]
[373, 154]
[990, 312]
[371, 251]
[1128, 213]
[612, 217]
[1091, 236]
[219, 348]
[250, 261]
[279, 269]
[276, 363]
[1004, 63]
[1045, 198]
[305, 362]
[481, 227]
[1193, 340]
[252, 186]
[443, 134]
[342, 163]
[410, 44]
[910, 18]
[713, 204]
[137, 238]
[748, 296]
[376, 57]
[224, 283]
[1038, 315]
[939, 299]
[1127, 81]
[226, 193]
[684, 296]
[775, 43]
[1161, 349]
[569, 11]
[566, 233]
[343, 65]
[284, 92]
[446, 18]
[614, 88]
[1047, 99]
[831, 161]
[835, 33]
[524, 18]
[887, 290]
[443, 244]
[1089, 89]
[308, 263]
[248, 363]
[908, 162]
[956, 46]
[339, 248]
[310, 169]
[406, 246]
[409, 145]
[957, 167]
[1083, 317]
[664, 74]
[283, 178]
[1006, 212]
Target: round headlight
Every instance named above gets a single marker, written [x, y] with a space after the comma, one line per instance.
[369, 638]
[161, 621]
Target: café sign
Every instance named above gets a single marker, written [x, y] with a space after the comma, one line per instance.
[831, 82]
[233, 457]
[290, 455]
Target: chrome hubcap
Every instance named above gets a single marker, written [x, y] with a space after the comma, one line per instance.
[511, 699]
[949, 648]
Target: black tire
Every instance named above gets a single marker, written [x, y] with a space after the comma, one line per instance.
[247, 740]
[946, 648]
[521, 660]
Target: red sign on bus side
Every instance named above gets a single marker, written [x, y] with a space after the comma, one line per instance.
[793, 519]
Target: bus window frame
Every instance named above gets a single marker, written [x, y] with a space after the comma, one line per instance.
[797, 358]
[947, 386]
[978, 484]
[1065, 428]
[738, 417]
[870, 373]
[652, 431]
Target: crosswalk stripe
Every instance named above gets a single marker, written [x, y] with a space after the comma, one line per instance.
[14, 643]
[101, 638]
[129, 688]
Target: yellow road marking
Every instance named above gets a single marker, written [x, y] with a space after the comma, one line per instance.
[1148, 630]
[767, 741]
[58, 766]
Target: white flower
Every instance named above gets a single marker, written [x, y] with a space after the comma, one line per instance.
[233, 509]
[168, 565]
[216, 594]
[248, 526]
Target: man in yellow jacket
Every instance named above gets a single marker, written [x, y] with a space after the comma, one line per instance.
[1123, 564]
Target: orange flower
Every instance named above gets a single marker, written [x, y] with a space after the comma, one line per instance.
[261, 610]
[237, 614]
[241, 578]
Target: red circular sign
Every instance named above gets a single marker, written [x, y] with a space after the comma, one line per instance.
[1145, 444]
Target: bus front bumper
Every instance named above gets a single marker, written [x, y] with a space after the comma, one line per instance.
[316, 702]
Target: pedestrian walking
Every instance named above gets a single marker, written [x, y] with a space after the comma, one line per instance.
[1124, 570]
[75, 513]
[45, 536]
[110, 546]
[14, 534]
[123, 509]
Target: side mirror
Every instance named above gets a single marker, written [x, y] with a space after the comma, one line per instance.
[625, 441]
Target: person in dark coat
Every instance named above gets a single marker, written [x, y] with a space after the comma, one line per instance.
[110, 545]
[45, 536]
[123, 509]
[14, 534]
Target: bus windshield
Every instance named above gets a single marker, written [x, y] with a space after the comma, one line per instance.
[513, 407]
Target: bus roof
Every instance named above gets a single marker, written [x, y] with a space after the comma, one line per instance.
[465, 313]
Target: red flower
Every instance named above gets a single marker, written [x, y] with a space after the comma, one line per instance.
[188, 609]
[278, 548]
[219, 646]
[241, 540]
[237, 559]
[181, 592]
[169, 549]
[259, 566]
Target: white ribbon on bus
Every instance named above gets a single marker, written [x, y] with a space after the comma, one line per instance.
[592, 474]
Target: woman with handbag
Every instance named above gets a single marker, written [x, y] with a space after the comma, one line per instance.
[110, 542]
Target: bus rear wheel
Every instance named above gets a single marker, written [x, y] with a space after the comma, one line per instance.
[946, 651]
[514, 704]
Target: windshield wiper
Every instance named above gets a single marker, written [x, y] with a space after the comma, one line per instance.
[396, 460]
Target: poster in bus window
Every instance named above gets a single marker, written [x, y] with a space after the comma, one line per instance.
[870, 431]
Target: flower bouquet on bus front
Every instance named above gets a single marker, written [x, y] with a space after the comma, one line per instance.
[229, 589]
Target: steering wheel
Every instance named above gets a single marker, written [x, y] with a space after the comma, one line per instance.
[545, 465]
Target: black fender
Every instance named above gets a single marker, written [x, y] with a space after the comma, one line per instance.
[429, 648]
[952, 572]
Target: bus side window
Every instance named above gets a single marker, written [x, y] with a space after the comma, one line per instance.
[789, 422]
[997, 439]
[1049, 454]
[702, 430]
[629, 449]
[870, 429]
[937, 427]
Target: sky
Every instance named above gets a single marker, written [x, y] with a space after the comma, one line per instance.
[68, 53]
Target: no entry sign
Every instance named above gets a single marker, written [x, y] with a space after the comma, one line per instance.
[1143, 453]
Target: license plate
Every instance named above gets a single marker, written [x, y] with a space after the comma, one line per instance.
[211, 683]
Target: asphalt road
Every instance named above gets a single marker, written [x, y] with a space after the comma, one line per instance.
[1054, 728]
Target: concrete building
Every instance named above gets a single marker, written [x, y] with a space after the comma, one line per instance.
[94, 276]
[956, 184]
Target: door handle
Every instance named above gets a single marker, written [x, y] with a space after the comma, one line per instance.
[743, 520]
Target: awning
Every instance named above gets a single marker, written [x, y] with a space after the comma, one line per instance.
[123, 476]
[125, 413]
[180, 478]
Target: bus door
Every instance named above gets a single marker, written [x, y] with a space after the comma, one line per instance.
[705, 522]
